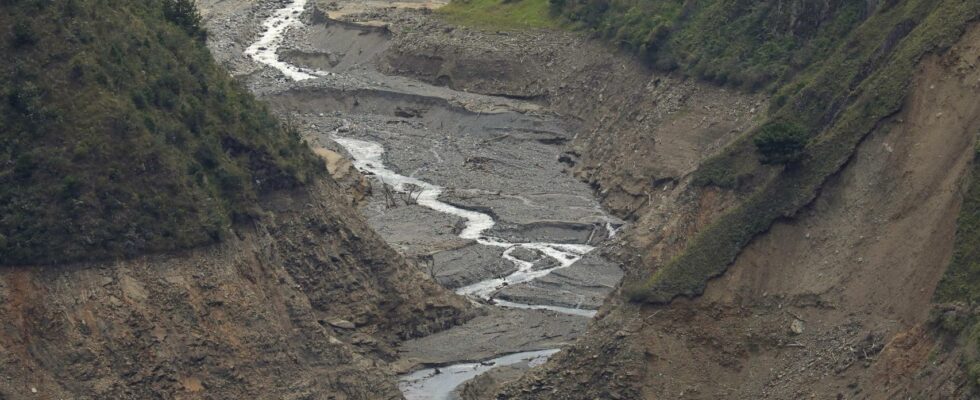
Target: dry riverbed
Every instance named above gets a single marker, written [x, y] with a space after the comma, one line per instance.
[470, 186]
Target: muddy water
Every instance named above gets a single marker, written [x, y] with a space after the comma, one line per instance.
[481, 195]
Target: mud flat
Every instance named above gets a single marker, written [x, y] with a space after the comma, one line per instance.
[468, 185]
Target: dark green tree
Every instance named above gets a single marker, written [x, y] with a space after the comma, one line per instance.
[23, 34]
[184, 14]
[781, 143]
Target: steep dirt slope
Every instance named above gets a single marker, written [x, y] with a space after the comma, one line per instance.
[299, 306]
[834, 303]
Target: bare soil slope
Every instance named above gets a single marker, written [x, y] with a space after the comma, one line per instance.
[834, 303]
[304, 305]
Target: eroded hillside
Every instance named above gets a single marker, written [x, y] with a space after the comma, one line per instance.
[125, 143]
[828, 267]
[307, 302]
[814, 273]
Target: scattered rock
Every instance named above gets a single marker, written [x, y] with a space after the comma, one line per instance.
[545, 263]
[796, 327]
[361, 339]
[341, 323]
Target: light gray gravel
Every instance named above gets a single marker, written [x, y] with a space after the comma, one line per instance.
[495, 155]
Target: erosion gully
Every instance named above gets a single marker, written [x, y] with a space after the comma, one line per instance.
[483, 199]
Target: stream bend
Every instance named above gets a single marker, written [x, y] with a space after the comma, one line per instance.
[368, 157]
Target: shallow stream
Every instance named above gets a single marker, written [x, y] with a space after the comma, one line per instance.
[373, 159]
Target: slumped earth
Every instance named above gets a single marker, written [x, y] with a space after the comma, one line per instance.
[469, 186]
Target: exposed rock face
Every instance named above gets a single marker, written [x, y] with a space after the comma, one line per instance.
[254, 317]
[342, 170]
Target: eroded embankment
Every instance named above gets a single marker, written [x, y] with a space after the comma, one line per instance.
[270, 313]
[850, 277]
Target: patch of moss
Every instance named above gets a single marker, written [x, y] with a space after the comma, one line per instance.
[119, 135]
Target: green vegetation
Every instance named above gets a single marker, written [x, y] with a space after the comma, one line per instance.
[119, 135]
[839, 101]
[961, 283]
[498, 14]
[780, 143]
[744, 43]
[837, 69]
[962, 279]
[184, 14]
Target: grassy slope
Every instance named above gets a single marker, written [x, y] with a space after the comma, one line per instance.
[865, 81]
[839, 75]
[119, 135]
[741, 42]
[516, 14]
[962, 279]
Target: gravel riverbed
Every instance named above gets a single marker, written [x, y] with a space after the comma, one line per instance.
[468, 185]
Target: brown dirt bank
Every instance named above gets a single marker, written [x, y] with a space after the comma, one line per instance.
[305, 304]
[832, 304]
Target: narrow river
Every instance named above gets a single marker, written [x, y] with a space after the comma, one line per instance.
[370, 158]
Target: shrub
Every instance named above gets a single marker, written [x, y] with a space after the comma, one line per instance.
[184, 14]
[780, 143]
[24, 34]
[25, 99]
[70, 187]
